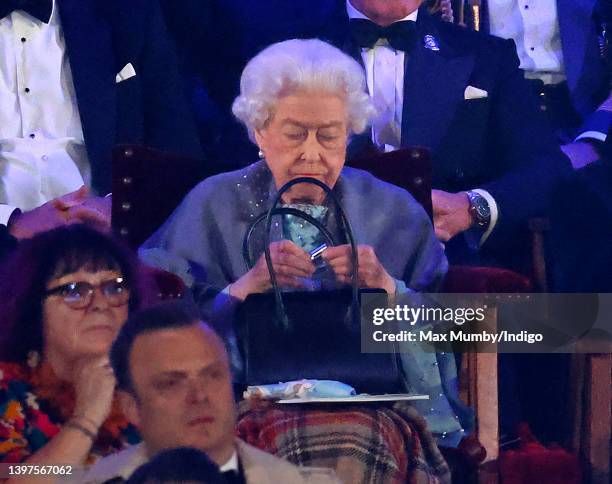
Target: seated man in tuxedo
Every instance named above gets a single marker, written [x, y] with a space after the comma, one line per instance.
[174, 376]
[564, 48]
[78, 77]
[462, 95]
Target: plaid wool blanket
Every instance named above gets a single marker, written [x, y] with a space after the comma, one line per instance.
[363, 443]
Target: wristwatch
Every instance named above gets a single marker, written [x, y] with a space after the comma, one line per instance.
[479, 209]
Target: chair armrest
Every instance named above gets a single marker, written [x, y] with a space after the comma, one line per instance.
[158, 285]
[467, 279]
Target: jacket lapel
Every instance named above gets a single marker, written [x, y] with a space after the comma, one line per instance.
[434, 85]
[254, 469]
[90, 52]
[576, 27]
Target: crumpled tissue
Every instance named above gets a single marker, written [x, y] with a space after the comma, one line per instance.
[300, 389]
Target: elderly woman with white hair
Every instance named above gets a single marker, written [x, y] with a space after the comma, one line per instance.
[300, 101]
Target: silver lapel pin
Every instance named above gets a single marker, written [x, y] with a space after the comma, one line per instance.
[431, 42]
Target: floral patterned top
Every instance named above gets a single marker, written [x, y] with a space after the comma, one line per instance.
[33, 406]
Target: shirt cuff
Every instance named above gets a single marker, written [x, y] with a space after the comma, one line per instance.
[592, 135]
[401, 287]
[494, 214]
[5, 213]
[597, 124]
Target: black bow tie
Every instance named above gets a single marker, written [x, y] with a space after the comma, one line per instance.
[41, 9]
[400, 35]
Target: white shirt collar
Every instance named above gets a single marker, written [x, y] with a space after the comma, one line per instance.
[354, 13]
[53, 18]
[231, 464]
[54, 13]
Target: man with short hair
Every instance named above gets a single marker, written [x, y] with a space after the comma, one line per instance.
[173, 373]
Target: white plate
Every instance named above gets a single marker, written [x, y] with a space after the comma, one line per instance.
[391, 397]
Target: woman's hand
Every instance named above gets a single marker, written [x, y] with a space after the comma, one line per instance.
[290, 264]
[371, 272]
[94, 387]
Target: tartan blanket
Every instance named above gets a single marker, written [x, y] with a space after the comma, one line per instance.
[369, 444]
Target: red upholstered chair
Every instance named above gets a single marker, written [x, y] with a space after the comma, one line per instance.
[158, 285]
[147, 186]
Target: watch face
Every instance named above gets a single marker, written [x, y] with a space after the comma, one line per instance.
[480, 208]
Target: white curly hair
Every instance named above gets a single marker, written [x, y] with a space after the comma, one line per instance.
[293, 65]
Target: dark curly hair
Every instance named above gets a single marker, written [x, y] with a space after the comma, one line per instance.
[183, 464]
[52, 254]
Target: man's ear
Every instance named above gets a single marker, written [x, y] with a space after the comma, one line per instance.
[129, 406]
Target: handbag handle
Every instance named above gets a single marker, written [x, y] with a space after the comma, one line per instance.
[280, 305]
[246, 255]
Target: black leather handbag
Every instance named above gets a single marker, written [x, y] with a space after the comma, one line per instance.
[294, 335]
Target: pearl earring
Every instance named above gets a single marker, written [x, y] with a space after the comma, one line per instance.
[261, 154]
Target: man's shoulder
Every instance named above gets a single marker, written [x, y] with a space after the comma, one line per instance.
[261, 467]
[121, 7]
[463, 40]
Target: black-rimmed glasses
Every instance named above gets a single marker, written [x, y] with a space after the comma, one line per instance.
[79, 294]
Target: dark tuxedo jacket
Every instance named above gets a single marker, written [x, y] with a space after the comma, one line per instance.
[588, 79]
[7, 242]
[216, 38]
[500, 143]
[102, 37]
[581, 225]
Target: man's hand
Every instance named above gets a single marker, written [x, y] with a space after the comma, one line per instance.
[72, 199]
[451, 214]
[40, 219]
[580, 153]
[74, 207]
[93, 211]
[371, 274]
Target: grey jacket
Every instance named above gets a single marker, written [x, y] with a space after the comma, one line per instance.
[202, 242]
[259, 467]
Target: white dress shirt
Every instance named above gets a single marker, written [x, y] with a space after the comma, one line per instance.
[42, 150]
[384, 72]
[386, 63]
[231, 464]
[534, 27]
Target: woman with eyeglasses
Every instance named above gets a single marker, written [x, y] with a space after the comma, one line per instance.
[64, 294]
